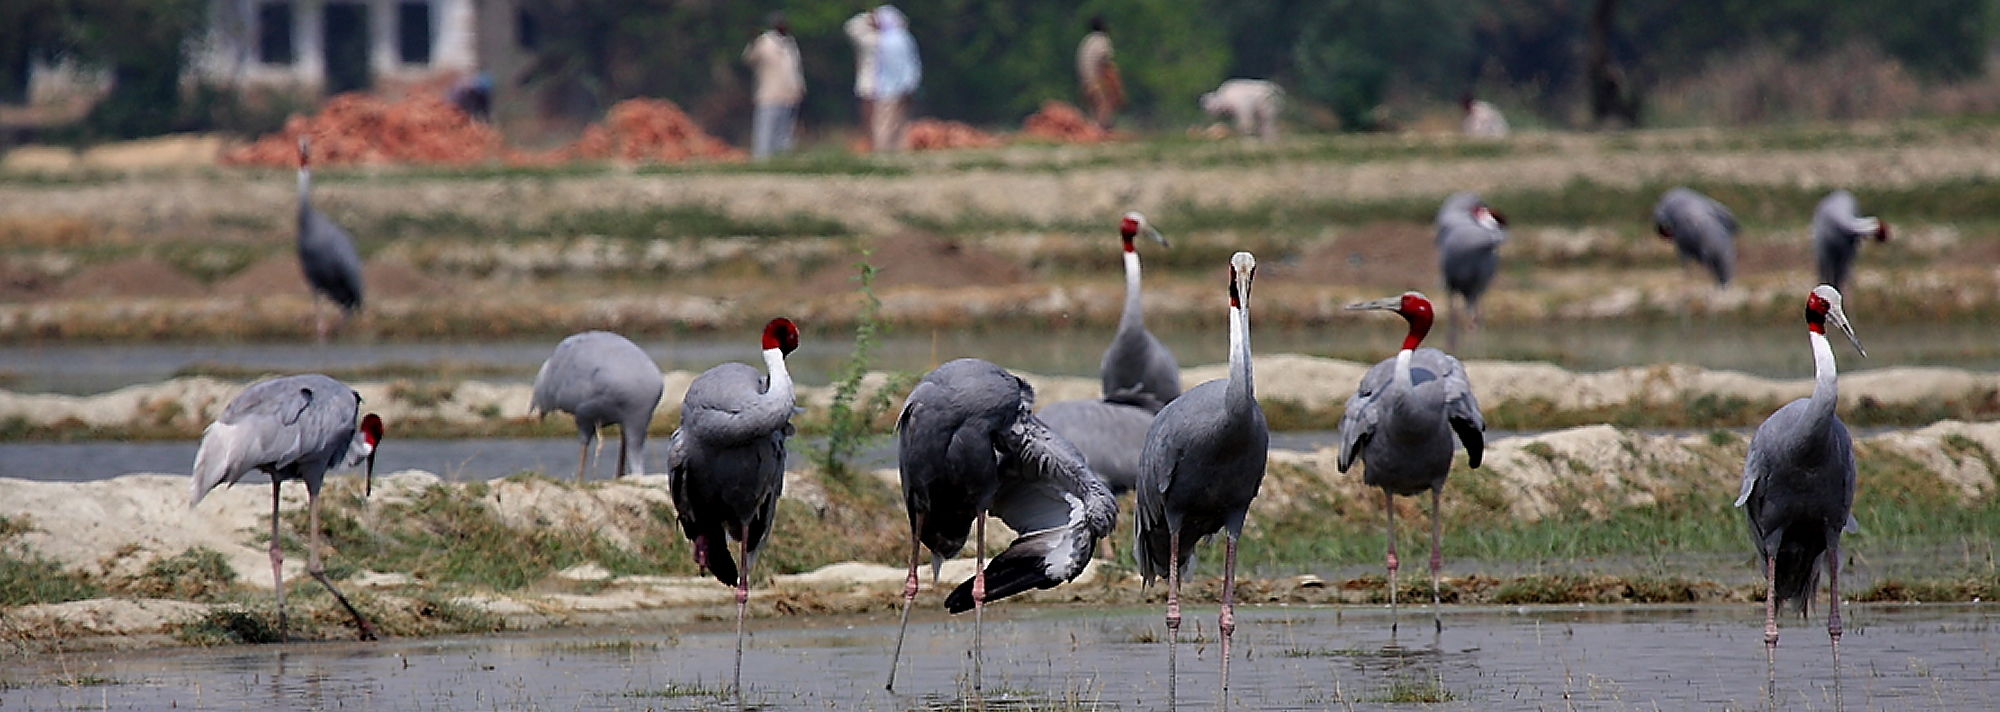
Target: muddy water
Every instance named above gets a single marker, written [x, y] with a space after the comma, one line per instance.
[1593, 345]
[1638, 658]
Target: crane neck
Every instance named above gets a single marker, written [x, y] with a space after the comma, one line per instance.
[1402, 374]
[1240, 386]
[305, 183]
[1135, 313]
[1826, 386]
[780, 382]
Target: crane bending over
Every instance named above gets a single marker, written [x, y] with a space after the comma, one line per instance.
[326, 253]
[1203, 464]
[1137, 368]
[291, 428]
[602, 379]
[1139, 377]
[1837, 229]
[726, 464]
[968, 443]
[1400, 423]
[1701, 229]
[1469, 233]
[1798, 483]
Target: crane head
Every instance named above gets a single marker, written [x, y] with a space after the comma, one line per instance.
[1414, 307]
[371, 435]
[1881, 230]
[1242, 267]
[1665, 231]
[781, 334]
[1823, 306]
[1134, 225]
[1488, 217]
[305, 151]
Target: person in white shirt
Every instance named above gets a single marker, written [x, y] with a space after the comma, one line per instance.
[861, 31]
[781, 85]
[1253, 104]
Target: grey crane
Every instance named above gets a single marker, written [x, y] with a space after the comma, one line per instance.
[1798, 483]
[969, 444]
[326, 252]
[1202, 465]
[1137, 368]
[726, 463]
[1469, 233]
[1400, 423]
[1109, 433]
[1139, 376]
[290, 428]
[602, 379]
[1837, 229]
[1701, 229]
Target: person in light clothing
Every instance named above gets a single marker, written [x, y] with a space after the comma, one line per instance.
[897, 73]
[781, 85]
[861, 31]
[1103, 90]
[1253, 104]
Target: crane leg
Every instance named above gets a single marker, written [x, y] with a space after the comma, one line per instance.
[1437, 557]
[978, 606]
[1227, 624]
[1771, 608]
[1173, 610]
[909, 597]
[583, 458]
[318, 570]
[1833, 629]
[277, 561]
[1389, 505]
[742, 607]
[621, 451]
[320, 328]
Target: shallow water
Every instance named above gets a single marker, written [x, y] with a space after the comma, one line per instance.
[1587, 346]
[1894, 657]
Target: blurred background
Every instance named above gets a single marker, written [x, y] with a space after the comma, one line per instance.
[96, 69]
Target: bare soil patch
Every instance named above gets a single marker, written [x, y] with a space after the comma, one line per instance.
[138, 277]
[919, 259]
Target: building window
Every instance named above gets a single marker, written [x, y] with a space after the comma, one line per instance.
[413, 32]
[274, 33]
[527, 33]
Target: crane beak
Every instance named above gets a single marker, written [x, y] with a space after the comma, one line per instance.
[368, 489]
[1839, 319]
[1153, 233]
[1385, 304]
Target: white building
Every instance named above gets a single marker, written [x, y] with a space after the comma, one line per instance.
[319, 46]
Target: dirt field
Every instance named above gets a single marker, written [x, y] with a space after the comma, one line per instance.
[1022, 234]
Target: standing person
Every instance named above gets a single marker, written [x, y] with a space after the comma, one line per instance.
[861, 31]
[774, 56]
[897, 72]
[1252, 103]
[1103, 91]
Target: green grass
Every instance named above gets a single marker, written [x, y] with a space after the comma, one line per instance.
[197, 574]
[645, 222]
[26, 577]
[1404, 690]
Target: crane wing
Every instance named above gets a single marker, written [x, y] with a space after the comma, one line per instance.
[720, 407]
[1358, 423]
[1461, 407]
[1051, 497]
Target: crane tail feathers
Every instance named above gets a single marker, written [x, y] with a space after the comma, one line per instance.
[717, 559]
[220, 459]
[1013, 571]
[1798, 573]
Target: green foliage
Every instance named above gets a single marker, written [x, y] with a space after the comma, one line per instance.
[851, 418]
[1350, 52]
